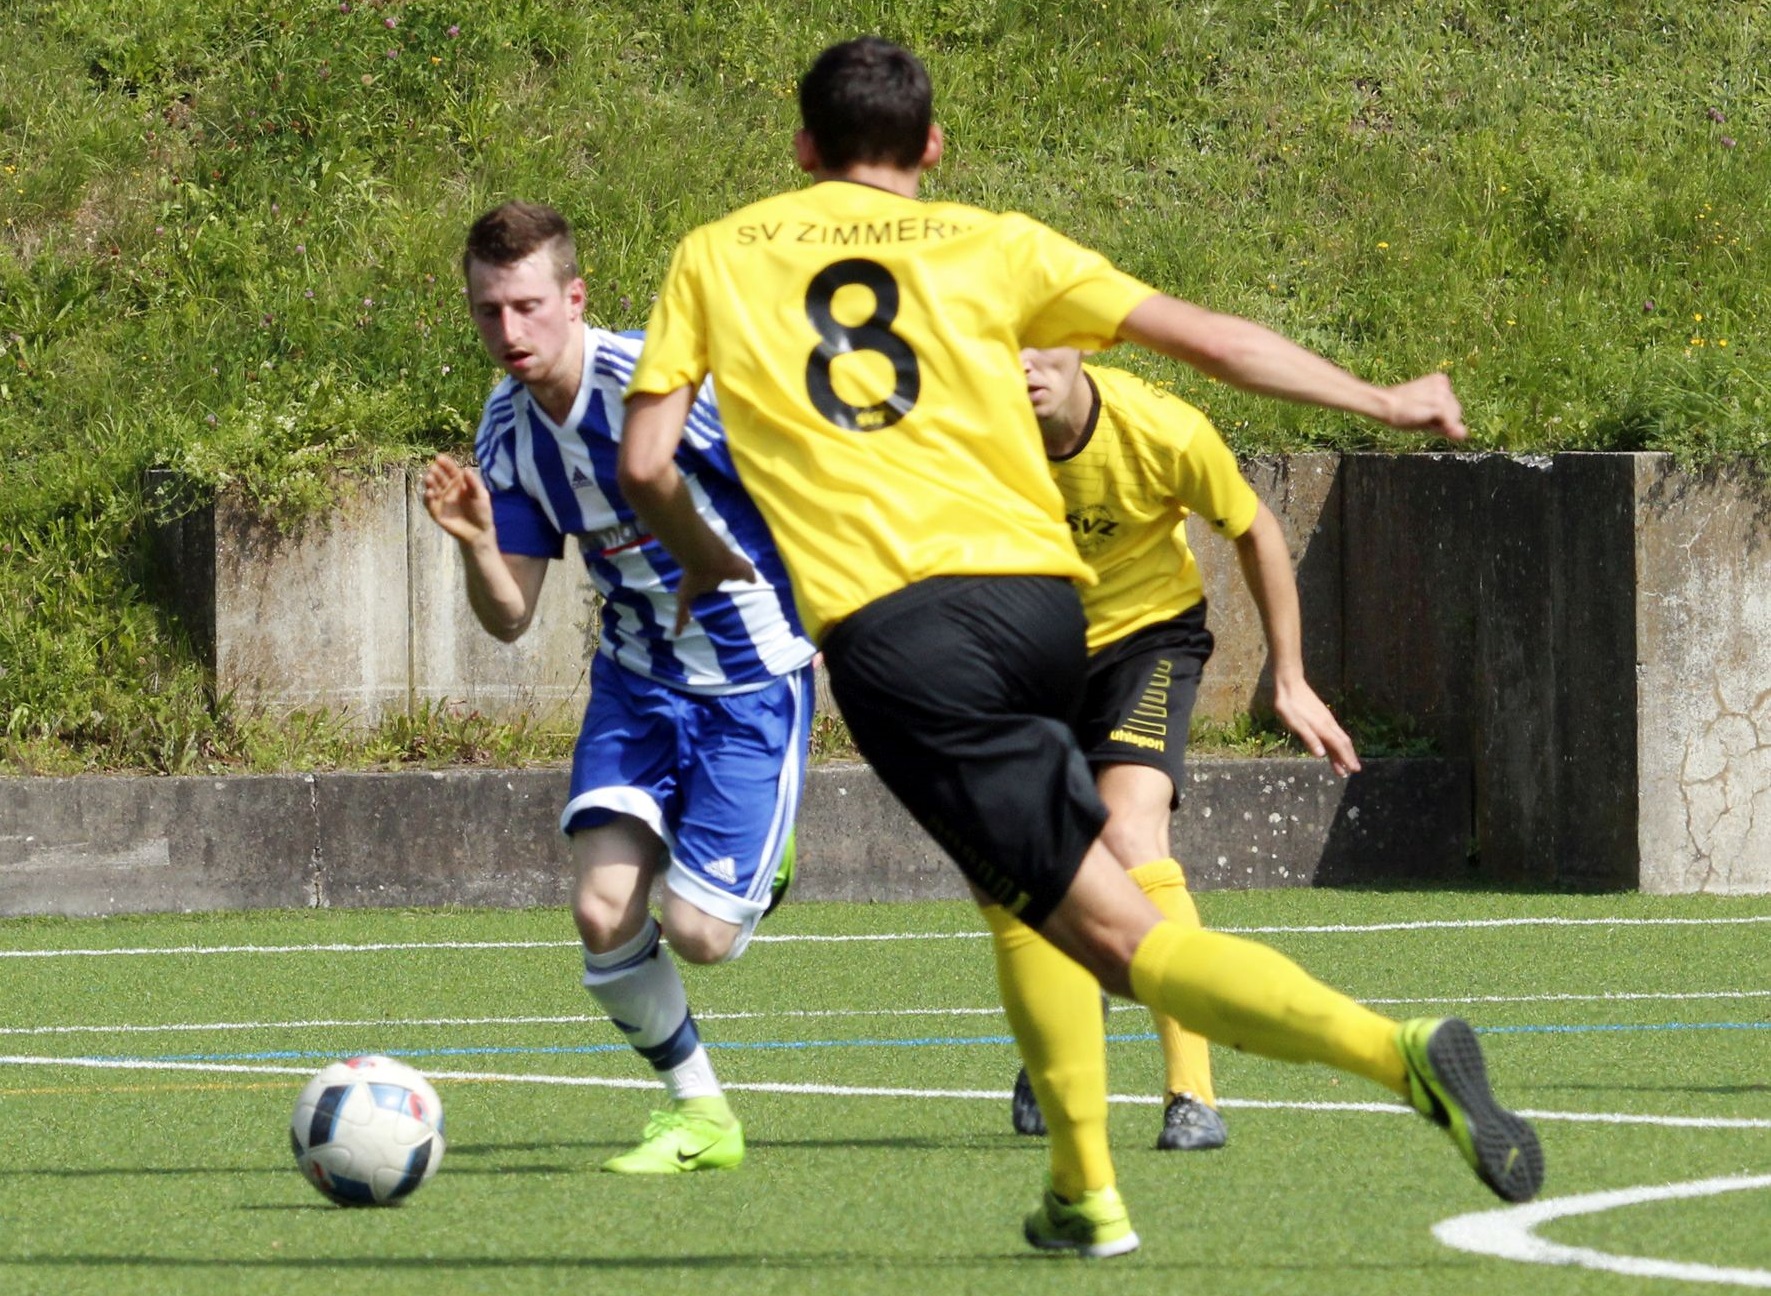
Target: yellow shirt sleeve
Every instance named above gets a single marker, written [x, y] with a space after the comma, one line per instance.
[1209, 482]
[1074, 296]
[675, 352]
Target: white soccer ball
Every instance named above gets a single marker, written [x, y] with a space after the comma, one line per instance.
[367, 1131]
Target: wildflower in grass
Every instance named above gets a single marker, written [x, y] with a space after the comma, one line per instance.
[1648, 307]
[344, 6]
[1715, 115]
[1727, 141]
[393, 53]
[390, 23]
[1383, 245]
[301, 249]
[454, 31]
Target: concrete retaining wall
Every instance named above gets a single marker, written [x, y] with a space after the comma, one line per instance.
[96, 845]
[1590, 633]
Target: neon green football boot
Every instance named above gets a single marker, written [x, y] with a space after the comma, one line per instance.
[1096, 1225]
[783, 872]
[1448, 1084]
[695, 1134]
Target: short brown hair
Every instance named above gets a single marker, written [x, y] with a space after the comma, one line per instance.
[514, 230]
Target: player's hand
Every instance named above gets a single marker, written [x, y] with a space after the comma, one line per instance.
[706, 578]
[1308, 716]
[457, 499]
[1427, 404]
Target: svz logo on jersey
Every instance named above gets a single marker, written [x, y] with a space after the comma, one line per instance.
[1091, 527]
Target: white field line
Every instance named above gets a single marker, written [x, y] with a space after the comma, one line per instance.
[866, 1091]
[375, 947]
[805, 1014]
[1510, 1234]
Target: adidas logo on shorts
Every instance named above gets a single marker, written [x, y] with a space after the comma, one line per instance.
[726, 870]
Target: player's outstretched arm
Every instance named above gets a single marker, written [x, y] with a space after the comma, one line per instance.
[502, 588]
[1255, 358]
[650, 482]
[1266, 569]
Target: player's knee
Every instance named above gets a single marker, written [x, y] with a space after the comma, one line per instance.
[702, 946]
[603, 922]
[697, 937]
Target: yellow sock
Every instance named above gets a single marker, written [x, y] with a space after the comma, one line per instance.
[1054, 1009]
[1186, 1057]
[1243, 994]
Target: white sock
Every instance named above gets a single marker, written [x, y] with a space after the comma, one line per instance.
[692, 1078]
[639, 986]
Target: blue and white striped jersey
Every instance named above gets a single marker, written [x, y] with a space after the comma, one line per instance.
[549, 482]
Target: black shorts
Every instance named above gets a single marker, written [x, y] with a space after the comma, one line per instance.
[960, 692]
[1140, 695]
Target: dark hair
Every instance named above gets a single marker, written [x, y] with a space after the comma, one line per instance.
[514, 230]
[867, 100]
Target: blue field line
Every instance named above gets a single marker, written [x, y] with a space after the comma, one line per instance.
[932, 1041]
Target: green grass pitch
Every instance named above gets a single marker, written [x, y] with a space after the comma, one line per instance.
[871, 1069]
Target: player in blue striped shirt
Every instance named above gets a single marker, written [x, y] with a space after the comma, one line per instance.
[692, 754]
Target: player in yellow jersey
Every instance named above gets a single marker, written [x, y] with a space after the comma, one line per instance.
[865, 351]
[1131, 463]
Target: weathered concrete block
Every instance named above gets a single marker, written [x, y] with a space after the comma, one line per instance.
[1593, 672]
[1452, 595]
[364, 612]
[471, 837]
[857, 843]
[94, 845]
[1593, 632]
[1303, 493]
[1703, 679]
[319, 617]
[1261, 823]
[545, 673]
[90, 846]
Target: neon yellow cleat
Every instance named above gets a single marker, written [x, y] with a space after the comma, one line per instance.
[1097, 1225]
[783, 872]
[683, 1139]
[1448, 1084]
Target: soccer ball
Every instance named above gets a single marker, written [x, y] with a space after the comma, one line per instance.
[367, 1131]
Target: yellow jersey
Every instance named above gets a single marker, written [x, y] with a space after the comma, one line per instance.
[865, 353]
[1146, 460]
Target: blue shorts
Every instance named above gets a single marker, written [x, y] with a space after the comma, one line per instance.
[718, 778]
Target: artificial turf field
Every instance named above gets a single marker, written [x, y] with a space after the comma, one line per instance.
[863, 1049]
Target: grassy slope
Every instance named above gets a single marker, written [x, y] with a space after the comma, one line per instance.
[227, 237]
